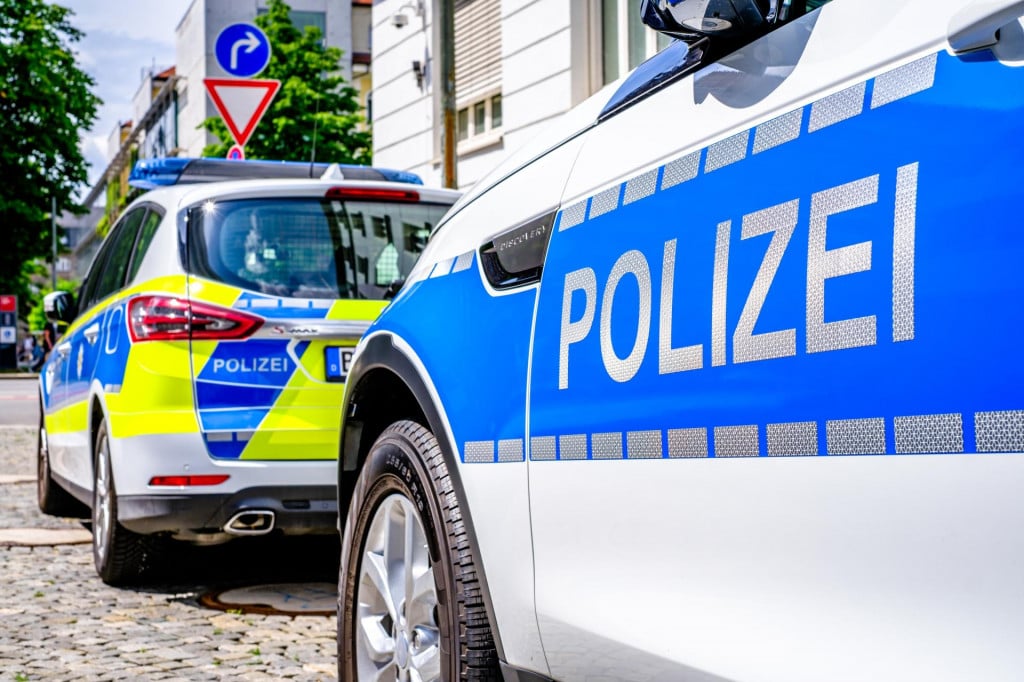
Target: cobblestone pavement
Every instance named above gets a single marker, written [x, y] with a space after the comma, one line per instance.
[58, 621]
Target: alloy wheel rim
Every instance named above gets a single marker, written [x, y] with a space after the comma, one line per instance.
[102, 512]
[396, 630]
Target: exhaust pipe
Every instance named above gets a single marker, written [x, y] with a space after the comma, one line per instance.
[251, 522]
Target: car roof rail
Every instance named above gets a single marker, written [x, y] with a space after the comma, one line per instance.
[165, 171]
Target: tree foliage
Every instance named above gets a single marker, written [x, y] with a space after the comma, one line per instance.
[46, 101]
[313, 96]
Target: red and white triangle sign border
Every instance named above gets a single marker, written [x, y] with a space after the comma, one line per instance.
[242, 135]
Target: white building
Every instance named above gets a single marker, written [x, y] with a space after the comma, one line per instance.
[519, 64]
[343, 23]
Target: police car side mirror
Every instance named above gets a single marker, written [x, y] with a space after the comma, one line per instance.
[59, 306]
[393, 288]
[690, 20]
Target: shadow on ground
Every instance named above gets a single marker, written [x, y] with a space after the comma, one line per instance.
[187, 569]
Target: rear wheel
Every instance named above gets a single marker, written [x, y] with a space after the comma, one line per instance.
[53, 499]
[411, 603]
[121, 556]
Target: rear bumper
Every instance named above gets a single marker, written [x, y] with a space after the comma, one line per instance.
[298, 510]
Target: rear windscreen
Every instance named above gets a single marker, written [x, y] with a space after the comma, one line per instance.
[308, 247]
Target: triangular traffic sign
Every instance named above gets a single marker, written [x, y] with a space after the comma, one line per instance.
[241, 102]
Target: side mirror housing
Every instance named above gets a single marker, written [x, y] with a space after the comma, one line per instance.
[59, 306]
[393, 288]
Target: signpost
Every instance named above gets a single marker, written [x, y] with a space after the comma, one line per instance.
[241, 103]
[8, 332]
[243, 51]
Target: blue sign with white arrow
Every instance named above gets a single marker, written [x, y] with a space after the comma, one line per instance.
[242, 50]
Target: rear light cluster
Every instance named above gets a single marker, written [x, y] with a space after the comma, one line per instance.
[179, 481]
[167, 318]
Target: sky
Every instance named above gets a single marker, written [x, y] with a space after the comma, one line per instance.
[123, 41]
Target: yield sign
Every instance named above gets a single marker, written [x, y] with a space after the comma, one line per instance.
[241, 102]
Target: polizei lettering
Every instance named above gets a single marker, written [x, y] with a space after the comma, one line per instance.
[235, 365]
[780, 221]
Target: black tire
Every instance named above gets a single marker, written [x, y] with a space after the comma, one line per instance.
[121, 556]
[52, 498]
[406, 464]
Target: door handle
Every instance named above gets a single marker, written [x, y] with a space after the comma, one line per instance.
[91, 333]
[515, 257]
[63, 349]
[975, 26]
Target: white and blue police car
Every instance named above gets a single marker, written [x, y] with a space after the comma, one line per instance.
[196, 393]
[719, 379]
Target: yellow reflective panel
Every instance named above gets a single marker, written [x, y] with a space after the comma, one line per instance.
[76, 416]
[156, 395]
[356, 310]
[305, 421]
[213, 292]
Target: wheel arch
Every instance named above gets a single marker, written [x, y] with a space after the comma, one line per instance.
[385, 385]
[97, 415]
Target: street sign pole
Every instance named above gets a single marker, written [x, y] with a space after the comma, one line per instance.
[53, 235]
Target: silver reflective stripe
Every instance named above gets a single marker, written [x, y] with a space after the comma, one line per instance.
[341, 330]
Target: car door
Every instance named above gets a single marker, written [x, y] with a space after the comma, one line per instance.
[86, 345]
[806, 250]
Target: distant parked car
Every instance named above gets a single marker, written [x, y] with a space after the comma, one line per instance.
[196, 394]
[718, 379]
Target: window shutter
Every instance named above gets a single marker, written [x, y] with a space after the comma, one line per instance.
[477, 49]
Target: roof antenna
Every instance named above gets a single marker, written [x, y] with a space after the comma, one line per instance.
[312, 153]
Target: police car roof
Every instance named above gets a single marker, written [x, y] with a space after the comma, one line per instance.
[180, 196]
[161, 172]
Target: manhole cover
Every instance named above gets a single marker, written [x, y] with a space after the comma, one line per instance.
[290, 599]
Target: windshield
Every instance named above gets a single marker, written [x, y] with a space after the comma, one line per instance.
[309, 247]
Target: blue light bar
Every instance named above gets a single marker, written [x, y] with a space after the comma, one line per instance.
[158, 172]
[161, 172]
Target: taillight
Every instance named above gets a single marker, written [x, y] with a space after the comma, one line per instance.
[373, 194]
[167, 318]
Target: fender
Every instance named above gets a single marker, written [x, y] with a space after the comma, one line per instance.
[382, 351]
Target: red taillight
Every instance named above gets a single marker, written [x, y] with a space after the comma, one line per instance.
[185, 481]
[373, 194]
[166, 318]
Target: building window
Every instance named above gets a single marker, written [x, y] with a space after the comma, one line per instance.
[625, 41]
[303, 19]
[479, 118]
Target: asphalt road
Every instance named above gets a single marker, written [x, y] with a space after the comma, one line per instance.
[19, 401]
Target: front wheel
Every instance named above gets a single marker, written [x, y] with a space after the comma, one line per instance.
[411, 602]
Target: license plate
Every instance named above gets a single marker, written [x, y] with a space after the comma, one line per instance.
[337, 361]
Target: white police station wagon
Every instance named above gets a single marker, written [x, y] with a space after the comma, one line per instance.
[720, 380]
[196, 393]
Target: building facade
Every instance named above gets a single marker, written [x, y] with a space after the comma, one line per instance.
[518, 65]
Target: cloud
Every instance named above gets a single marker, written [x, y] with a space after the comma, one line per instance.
[122, 42]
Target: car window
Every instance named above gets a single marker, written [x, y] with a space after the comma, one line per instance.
[90, 291]
[146, 232]
[111, 277]
[310, 247]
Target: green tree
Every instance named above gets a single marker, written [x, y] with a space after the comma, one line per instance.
[313, 95]
[46, 101]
